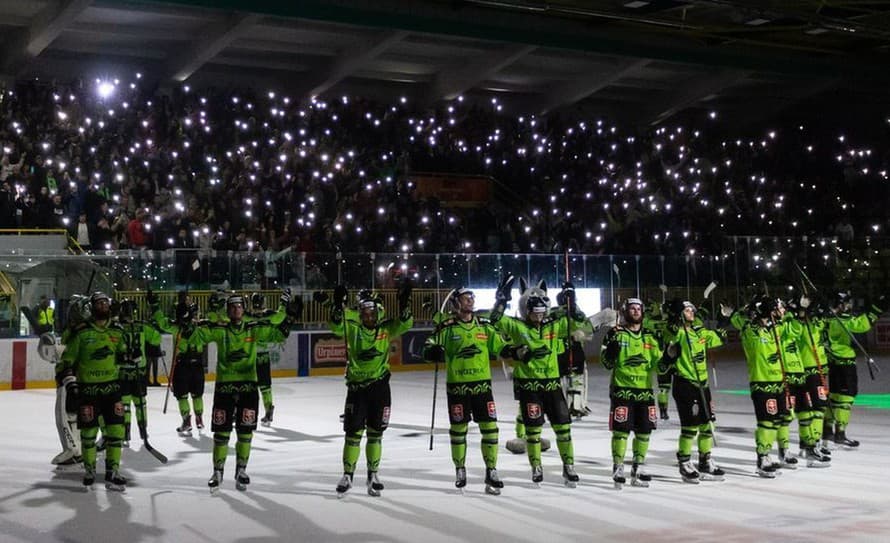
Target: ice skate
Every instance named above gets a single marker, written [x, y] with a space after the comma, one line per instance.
[89, 477]
[787, 460]
[708, 469]
[688, 472]
[199, 422]
[344, 485]
[841, 440]
[460, 478]
[638, 476]
[537, 475]
[126, 442]
[569, 476]
[215, 481]
[816, 459]
[493, 483]
[766, 468]
[241, 478]
[186, 427]
[663, 410]
[267, 418]
[374, 484]
[618, 476]
[115, 481]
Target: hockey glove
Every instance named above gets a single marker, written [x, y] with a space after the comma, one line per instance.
[504, 292]
[521, 353]
[285, 297]
[404, 296]
[340, 294]
[72, 393]
[434, 353]
[294, 308]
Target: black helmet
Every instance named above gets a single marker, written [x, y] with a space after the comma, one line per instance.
[257, 301]
[764, 306]
[97, 296]
[217, 300]
[841, 298]
[184, 312]
[127, 309]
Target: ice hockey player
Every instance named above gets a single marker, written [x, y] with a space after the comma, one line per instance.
[811, 411]
[263, 358]
[632, 353]
[466, 344]
[762, 327]
[187, 367]
[91, 357]
[843, 381]
[368, 399]
[689, 342]
[132, 362]
[235, 396]
[572, 360]
[538, 340]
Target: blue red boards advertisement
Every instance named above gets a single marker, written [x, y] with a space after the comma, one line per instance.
[328, 351]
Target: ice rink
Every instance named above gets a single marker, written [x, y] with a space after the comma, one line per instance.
[295, 465]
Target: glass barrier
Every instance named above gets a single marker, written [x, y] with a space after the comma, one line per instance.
[748, 265]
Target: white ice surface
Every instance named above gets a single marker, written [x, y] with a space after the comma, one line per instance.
[295, 465]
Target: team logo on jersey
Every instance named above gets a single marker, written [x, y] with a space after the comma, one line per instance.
[248, 417]
[219, 416]
[533, 410]
[653, 414]
[823, 394]
[385, 418]
[492, 410]
[772, 406]
[86, 413]
[620, 414]
[469, 351]
[457, 412]
[118, 409]
[482, 337]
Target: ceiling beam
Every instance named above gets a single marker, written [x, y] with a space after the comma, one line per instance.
[42, 31]
[352, 60]
[498, 25]
[700, 89]
[455, 80]
[579, 89]
[217, 38]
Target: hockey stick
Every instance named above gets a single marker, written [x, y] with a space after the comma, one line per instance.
[433, 416]
[618, 287]
[172, 369]
[154, 452]
[701, 385]
[708, 290]
[870, 362]
[781, 362]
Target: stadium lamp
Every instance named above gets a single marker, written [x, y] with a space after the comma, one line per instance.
[105, 89]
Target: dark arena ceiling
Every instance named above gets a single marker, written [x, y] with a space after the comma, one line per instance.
[641, 62]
